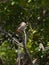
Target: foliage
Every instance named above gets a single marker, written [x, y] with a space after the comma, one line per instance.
[36, 14]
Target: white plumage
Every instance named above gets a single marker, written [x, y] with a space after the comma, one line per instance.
[21, 27]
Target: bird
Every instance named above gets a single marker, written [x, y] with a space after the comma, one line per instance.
[22, 27]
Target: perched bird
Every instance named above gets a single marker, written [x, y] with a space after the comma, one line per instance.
[21, 27]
